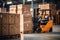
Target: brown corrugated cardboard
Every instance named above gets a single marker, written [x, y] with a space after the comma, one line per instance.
[12, 9]
[2, 10]
[5, 19]
[19, 9]
[23, 9]
[11, 19]
[4, 29]
[28, 26]
[47, 6]
[14, 29]
[17, 19]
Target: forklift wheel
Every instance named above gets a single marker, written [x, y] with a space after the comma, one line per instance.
[50, 30]
[39, 30]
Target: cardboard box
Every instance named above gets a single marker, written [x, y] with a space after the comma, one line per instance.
[10, 24]
[14, 29]
[47, 6]
[19, 9]
[12, 9]
[27, 17]
[2, 10]
[17, 19]
[44, 6]
[5, 30]
[26, 12]
[11, 19]
[5, 19]
[22, 9]
[28, 26]
[17, 29]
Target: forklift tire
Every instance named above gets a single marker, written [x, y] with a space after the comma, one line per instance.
[50, 30]
[39, 30]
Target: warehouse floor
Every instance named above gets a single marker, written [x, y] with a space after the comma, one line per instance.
[55, 35]
[43, 36]
[40, 36]
[56, 28]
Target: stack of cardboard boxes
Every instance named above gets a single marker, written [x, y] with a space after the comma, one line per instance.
[25, 10]
[27, 17]
[9, 24]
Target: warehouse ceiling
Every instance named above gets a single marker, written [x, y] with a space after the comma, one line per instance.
[57, 2]
[37, 0]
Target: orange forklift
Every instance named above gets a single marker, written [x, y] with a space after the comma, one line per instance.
[44, 21]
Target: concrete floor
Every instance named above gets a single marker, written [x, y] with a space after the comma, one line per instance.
[56, 28]
[42, 36]
[55, 35]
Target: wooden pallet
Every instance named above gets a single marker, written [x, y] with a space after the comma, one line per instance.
[10, 36]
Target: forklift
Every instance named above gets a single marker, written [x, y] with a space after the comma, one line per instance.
[43, 22]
